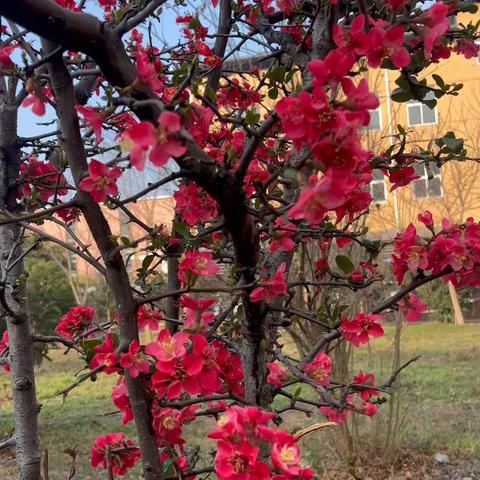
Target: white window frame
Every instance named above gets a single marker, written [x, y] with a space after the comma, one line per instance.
[379, 110]
[415, 103]
[377, 182]
[424, 178]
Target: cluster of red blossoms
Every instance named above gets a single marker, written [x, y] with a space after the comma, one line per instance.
[319, 370]
[4, 350]
[194, 205]
[75, 321]
[122, 452]
[328, 118]
[453, 249]
[240, 434]
[39, 181]
[174, 366]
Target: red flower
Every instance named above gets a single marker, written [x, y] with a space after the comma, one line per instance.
[37, 99]
[134, 361]
[4, 349]
[396, 4]
[173, 378]
[400, 177]
[383, 43]
[196, 317]
[358, 96]
[194, 204]
[286, 456]
[435, 23]
[101, 181]
[363, 325]
[369, 409]
[334, 414]
[168, 423]
[75, 321]
[235, 95]
[121, 401]
[167, 347]
[148, 317]
[93, 119]
[69, 214]
[426, 218]
[365, 379]
[124, 454]
[412, 307]
[317, 198]
[416, 257]
[42, 179]
[272, 288]
[467, 48]
[159, 143]
[277, 375]
[333, 68]
[239, 462]
[147, 71]
[5, 52]
[237, 422]
[319, 369]
[195, 263]
[105, 356]
[280, 238]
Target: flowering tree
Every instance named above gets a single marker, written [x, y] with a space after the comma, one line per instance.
[270, 161]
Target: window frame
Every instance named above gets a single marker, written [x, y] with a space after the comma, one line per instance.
[424, 178]
[375, 181]
[379, 110]
[415, 103]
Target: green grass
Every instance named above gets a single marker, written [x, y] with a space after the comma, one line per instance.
[439, 403]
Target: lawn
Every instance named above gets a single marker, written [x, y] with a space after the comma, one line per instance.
[438, 410]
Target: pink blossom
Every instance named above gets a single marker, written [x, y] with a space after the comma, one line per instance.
[358, 330]
[272, 288]
[101, 182]
[134, 361]
[412, 307]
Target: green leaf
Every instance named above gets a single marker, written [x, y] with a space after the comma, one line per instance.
[439, 81]
[344, 263]
[277, 74]
[182, 229]
[430, 103]
[88, 344]
[147, 261]
[273, 93]
[252, 117]
[401, 96]
[454, 144]
[290, 75]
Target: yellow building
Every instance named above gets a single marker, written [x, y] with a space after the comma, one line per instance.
[452, 191]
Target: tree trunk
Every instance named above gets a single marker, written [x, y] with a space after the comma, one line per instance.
[13, 302]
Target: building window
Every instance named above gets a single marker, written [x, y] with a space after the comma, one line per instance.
[426, 187]
[420, 114]
[452, 20]
[378, 189]
[375, 120]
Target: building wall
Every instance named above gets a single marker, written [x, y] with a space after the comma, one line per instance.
[153, 212]
[460, 191]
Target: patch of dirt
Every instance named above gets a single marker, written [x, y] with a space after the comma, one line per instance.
[408, 465]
